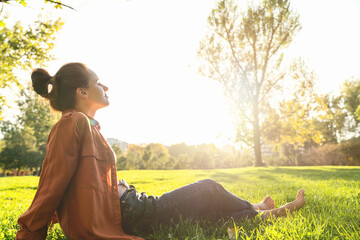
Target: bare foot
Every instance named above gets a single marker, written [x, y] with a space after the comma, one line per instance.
[287, 208]
[266, 204]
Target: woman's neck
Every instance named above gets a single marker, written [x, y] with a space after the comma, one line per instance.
[85, 109]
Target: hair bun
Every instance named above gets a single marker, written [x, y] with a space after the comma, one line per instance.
[40, 81]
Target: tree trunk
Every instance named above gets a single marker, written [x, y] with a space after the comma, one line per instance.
[40, 170]
[257, 144]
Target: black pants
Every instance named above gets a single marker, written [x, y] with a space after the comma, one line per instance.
[199, 200]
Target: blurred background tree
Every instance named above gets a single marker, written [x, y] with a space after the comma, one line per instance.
[244, 51]
[36, 114]
[25, 140]
[350, 100]
[22, 49]
[20, 148]
[280, 113]
[289, 126]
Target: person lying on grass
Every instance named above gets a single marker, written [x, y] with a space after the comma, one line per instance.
[79, 181]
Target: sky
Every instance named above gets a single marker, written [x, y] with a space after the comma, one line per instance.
[145, 52]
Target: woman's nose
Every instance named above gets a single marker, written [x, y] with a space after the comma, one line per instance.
[105, 87]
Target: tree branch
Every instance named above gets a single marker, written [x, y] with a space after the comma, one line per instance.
[59, 3]
[270, 88]
[237, 62]
[51, 1]
[266, 60]
[228, 91]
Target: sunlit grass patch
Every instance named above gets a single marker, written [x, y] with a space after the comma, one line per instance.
[331, 210]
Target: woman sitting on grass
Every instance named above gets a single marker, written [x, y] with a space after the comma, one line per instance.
[78, 180]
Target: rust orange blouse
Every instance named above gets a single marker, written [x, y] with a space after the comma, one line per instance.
[79, 182]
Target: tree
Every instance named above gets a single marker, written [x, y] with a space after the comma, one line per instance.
[244, 53]
[357, 113]
[350, 99]
[55, 3]
[176, 150]
[120, 157]
[25, 140]
[36, 114]
[331, 123]
[293, 126]
[20, 148]
[155, 156]
[134, 155]
[343, 111]
[22, 48]
[202, 160]
[182, 161]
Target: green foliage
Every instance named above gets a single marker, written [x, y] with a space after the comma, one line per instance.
[331, 123]
[182, 161]
[244, 51]
[25, 141]
[35, 113]
[290, 126]
[350, 99]
[351, 149]
[134, 156]
[308, 124]
[331, 210]
[24, 3]
[357, 112]
[22, 48]
[120, 159]
[202, 160]
[20, 149]
[351, 94]
[56, 3]
[340, 119]
[180, 156]
[176, 150]
[155, 156]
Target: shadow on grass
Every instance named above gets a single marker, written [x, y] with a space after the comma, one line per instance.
[139, 182]
[248, 177]
[17, 188]
[316, 174]
[275, 174]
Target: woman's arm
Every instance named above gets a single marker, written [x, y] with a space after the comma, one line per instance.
[63, 150]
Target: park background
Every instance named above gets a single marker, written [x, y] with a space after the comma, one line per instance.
[188, 91]
[167, 111]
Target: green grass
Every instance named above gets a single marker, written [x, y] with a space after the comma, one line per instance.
[332, 210]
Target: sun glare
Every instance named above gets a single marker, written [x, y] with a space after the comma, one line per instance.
[145, 51]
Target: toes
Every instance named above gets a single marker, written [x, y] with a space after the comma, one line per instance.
[269, 202]
[269, 199]
[300, 193]
[266, 198]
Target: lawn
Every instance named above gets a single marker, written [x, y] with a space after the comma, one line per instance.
[331, 211]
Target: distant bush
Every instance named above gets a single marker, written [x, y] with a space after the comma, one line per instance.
[328, 154]
[351, 150]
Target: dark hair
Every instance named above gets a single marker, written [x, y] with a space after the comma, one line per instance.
[64, 84]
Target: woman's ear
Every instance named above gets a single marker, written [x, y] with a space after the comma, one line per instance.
[81, 92]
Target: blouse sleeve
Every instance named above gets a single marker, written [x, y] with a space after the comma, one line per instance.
[63, 150]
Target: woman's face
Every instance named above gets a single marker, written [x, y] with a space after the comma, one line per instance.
[96, 92]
